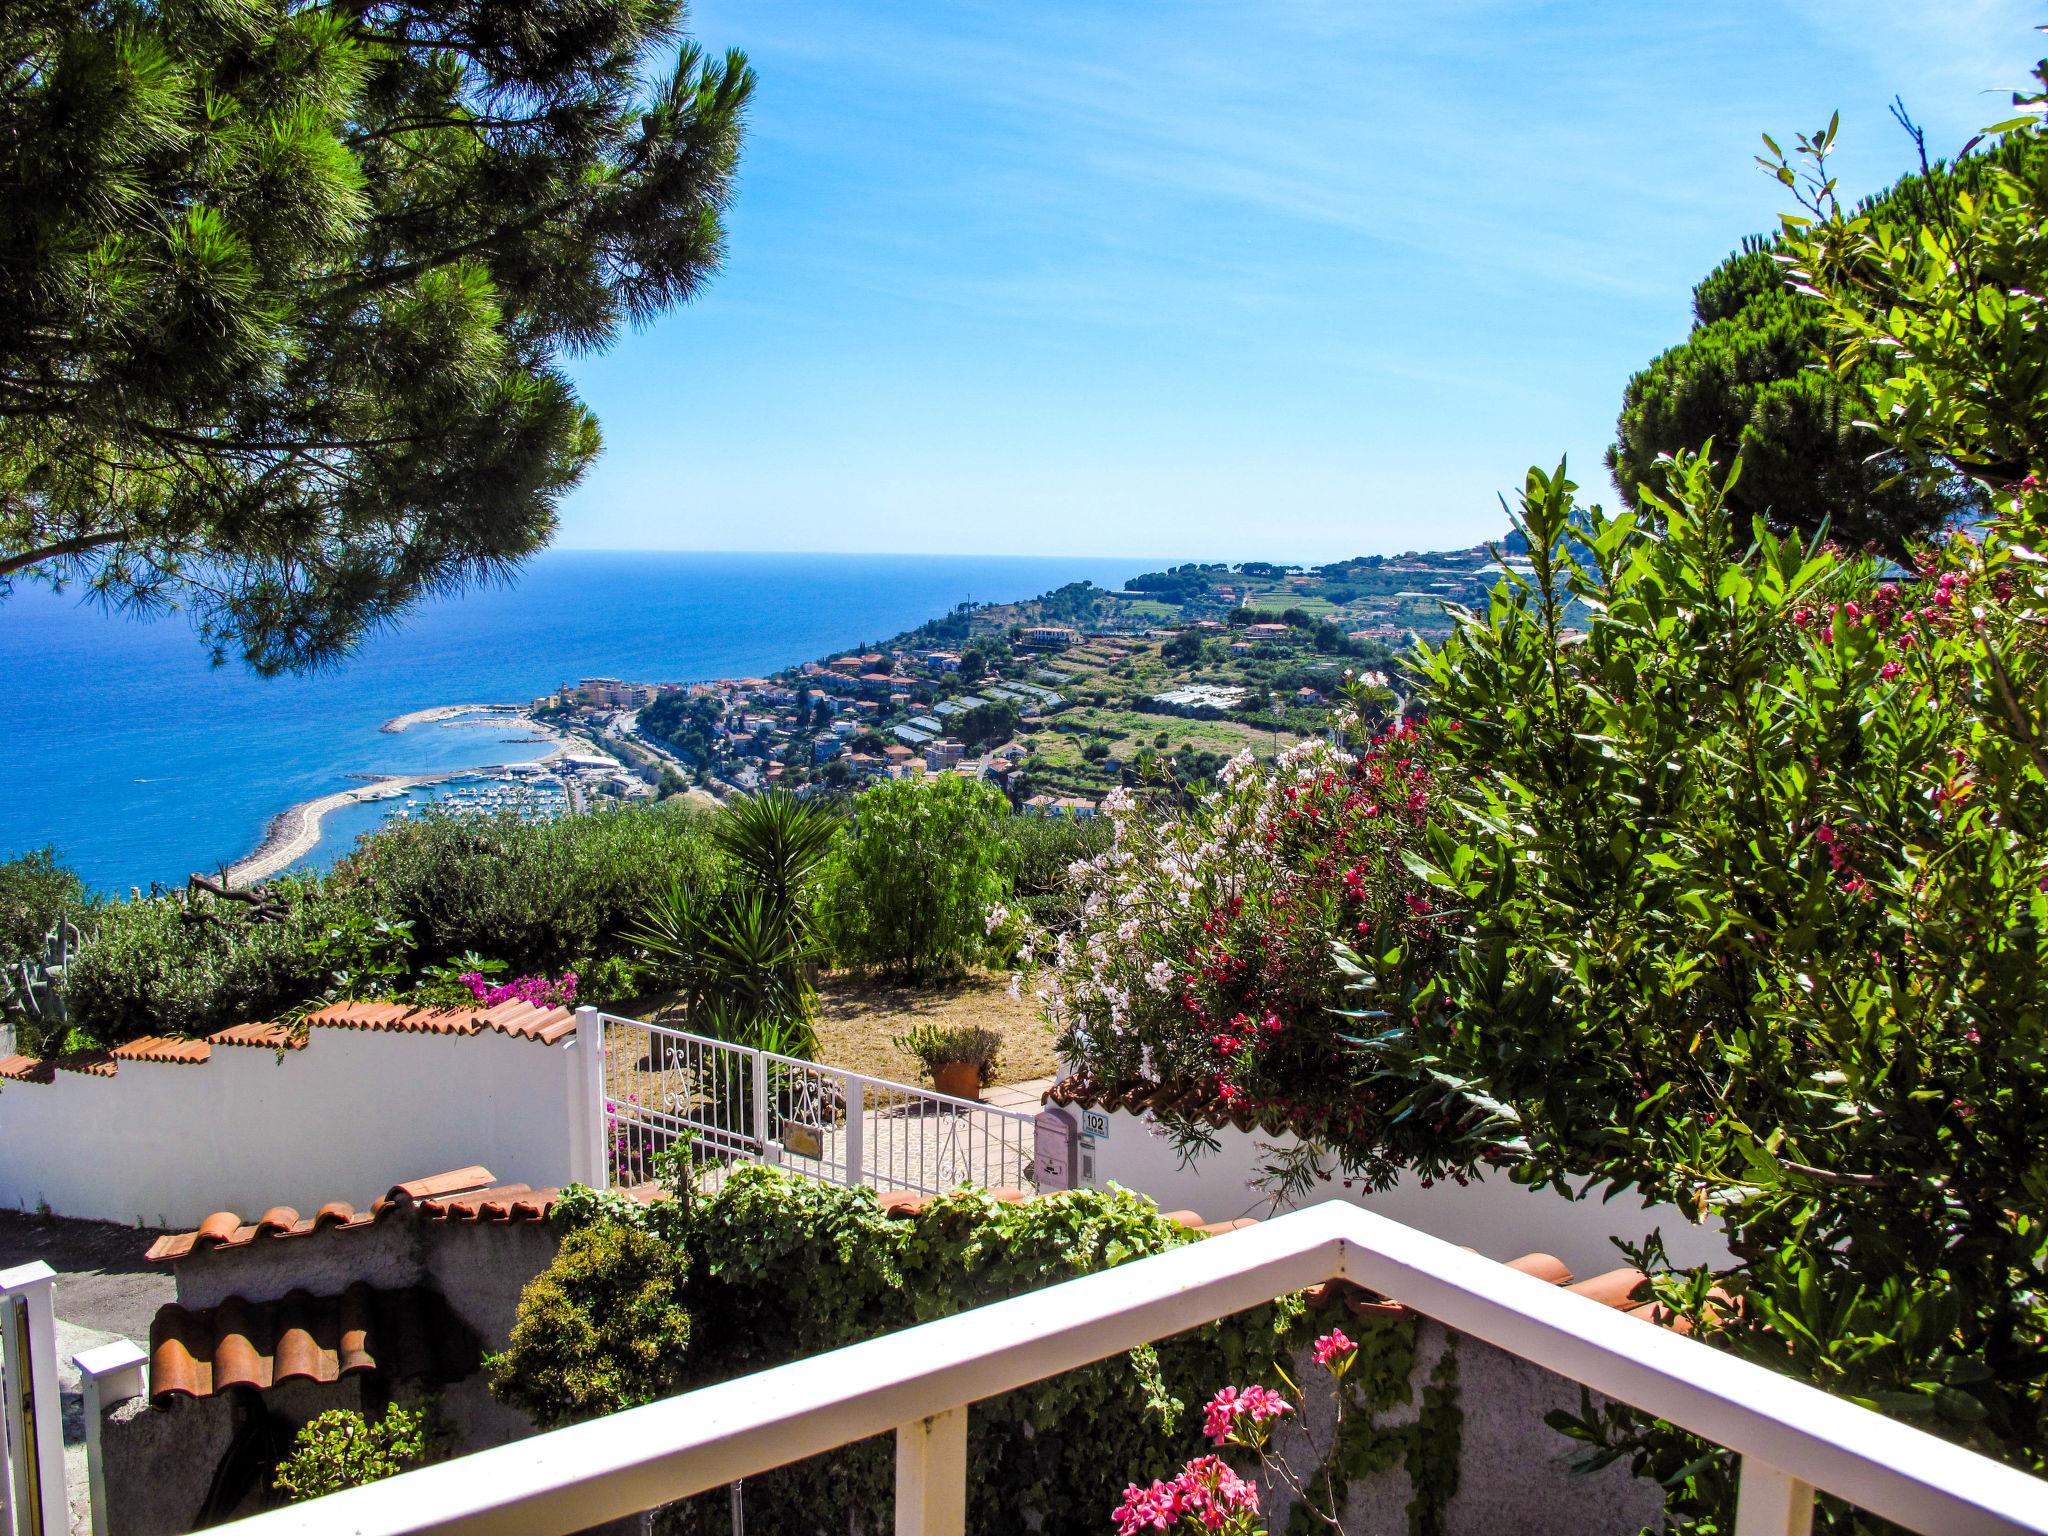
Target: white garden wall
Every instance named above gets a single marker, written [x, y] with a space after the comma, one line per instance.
[1498, 1219]
[347, 1117]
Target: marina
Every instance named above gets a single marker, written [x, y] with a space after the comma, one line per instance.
[314, 832]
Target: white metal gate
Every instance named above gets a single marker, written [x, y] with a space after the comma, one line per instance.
[662, 1085]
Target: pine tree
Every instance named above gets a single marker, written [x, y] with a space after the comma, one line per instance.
[285, 286]
[1752, 376]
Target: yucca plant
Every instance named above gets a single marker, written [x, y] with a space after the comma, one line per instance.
[780, 842]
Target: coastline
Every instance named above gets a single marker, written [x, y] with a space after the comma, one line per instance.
[398, 724]
[295, 831]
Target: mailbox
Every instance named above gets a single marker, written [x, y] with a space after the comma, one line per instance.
[1057, 1149]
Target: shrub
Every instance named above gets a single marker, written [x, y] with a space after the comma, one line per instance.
[921, 866]
[1046, 849]
[343, 1449]
[188, 964]
[602, 1328]
[35, 891]
[546, 897]
[1203, 957]
[1746, 887]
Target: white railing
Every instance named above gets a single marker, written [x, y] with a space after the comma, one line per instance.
[1793, 1439]
[661, 1085]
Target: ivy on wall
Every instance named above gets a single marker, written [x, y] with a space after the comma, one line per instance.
[1426, 1445]
[774, 1268]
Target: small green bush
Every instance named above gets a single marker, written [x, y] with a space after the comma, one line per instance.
[601, 1328]
[921, 867]
[35, 890]
[342, 1449]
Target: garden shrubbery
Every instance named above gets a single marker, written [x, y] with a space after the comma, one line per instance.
[180, 964]
[730, 908]
[772, 1268]
[542, 897]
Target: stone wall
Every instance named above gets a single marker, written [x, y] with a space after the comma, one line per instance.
[194, 1461]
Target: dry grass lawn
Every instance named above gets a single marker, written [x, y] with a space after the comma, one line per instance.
[857, 1020]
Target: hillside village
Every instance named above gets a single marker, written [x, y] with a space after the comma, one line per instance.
[1062, 697]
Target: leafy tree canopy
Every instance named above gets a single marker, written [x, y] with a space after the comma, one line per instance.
[1749, 377]
[287, 283]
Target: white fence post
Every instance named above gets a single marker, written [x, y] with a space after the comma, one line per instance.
[759, 1062]
[34, 1412]
[931, 1475]
[593, 1132]
[854, 1143]
[110, 1374]
[1769, 1502]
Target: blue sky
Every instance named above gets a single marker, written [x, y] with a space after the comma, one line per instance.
[1292, 279]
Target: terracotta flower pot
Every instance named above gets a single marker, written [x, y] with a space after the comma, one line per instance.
[958, 1079]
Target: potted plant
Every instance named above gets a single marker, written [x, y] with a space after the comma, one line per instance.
[960, 1059]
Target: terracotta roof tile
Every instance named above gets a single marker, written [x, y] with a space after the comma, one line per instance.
[466, 1194]
[277, 1037]
[31, 1069]
[521, 1020]
[1195, 1101]
[163, 1048]
[92, 1063]
[476, 1176]
[401, 1335]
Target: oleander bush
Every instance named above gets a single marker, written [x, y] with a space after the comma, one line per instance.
[1204, 957]
[1746, 886]
[776, 1267]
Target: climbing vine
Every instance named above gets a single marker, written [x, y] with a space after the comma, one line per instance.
[1380, 1383]
[771, 1268]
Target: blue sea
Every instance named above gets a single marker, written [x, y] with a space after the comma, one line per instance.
[139, 761]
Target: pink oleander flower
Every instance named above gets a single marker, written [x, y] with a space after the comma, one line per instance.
[1255, 1405]
[1211, 1493]
[1155, 1508]
[1890, 670]
[1333, 1345]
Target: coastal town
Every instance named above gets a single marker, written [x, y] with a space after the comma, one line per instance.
[1057, 699]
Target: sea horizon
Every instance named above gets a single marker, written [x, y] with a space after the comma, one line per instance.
[143, 763]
